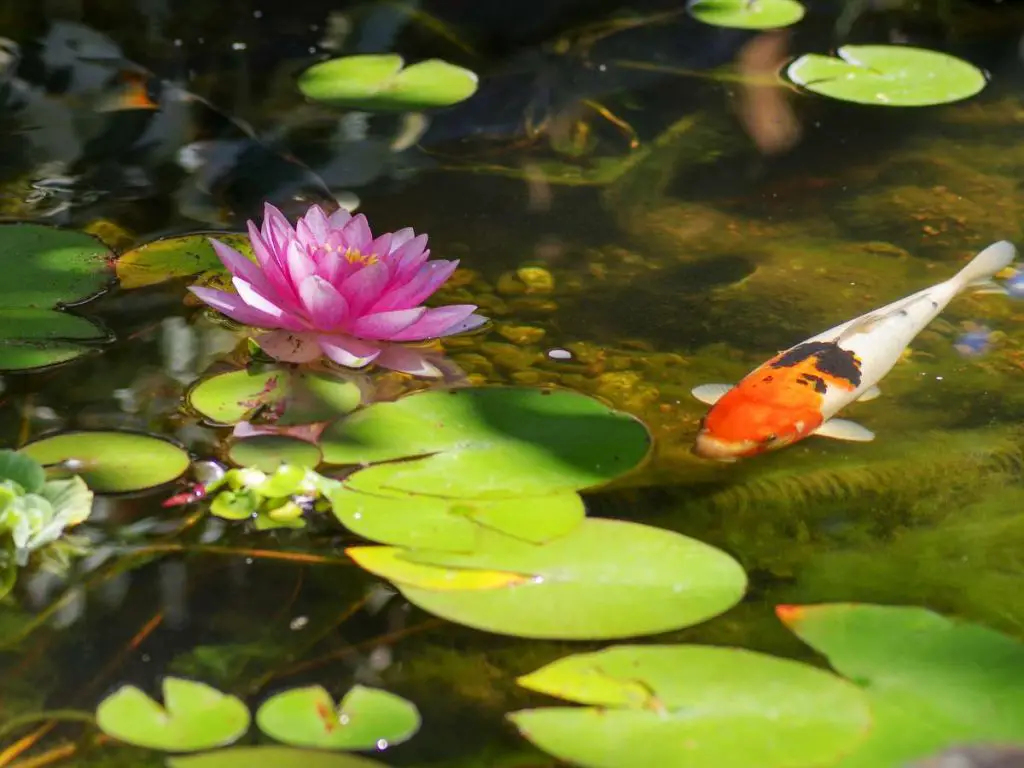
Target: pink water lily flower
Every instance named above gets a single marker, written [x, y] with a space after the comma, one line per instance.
[327, 287]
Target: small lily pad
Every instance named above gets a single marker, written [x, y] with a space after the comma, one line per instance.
[747, 14]
[379, 82]
[268, 452]
[174, 257]
[112, 461]
[271, 757]
[888, 75]
[367, 718]
[692, 705]
[605, 579]
[45, 266]
[194, 716]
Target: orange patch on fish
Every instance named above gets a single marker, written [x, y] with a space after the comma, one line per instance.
[789, 614]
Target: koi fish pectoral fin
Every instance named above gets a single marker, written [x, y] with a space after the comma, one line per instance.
[710, 393]
[869, 394]
[841, 429]
[987, 285]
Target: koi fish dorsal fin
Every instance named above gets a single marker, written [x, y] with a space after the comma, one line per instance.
[710, 393]
[841, 429]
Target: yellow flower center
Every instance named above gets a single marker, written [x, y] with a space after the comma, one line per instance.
[353, 256]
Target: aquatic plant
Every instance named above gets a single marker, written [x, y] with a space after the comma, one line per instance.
[747, 14]
[327, 287]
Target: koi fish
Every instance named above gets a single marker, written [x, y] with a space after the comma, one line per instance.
[798, 392]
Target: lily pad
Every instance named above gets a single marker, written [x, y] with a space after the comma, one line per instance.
[268, 452]
[747, 14]
[45, 266]
[605, 579]
[112, 461]
[367, 718]
[888, 75]
[23, 323]
[692, 705]
[271, 757]
[23, 470]
[488, 442]
[174, 257]
[433, 522]
[379, 82]
[194, 716]
[290, 397]
[933, 683]
[17, 356]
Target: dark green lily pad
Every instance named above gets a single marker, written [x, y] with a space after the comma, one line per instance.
[194, 716]
[45, 266]
[268, 452]
[23, 323]
[605, 579]
[271, 757]
[488, 442]
[367, 718]
[378, 82]
[18, 356]
[932, 683]
[173, 257]
[747, 14]
[434, 522]
[22, 469]
[692, 705]
[293, 397]
[112, 461]
[888, 75]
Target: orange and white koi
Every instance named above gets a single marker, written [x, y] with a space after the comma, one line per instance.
[798, 392]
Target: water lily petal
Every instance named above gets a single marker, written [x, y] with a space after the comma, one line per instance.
[363, 288]
[344, 350]
[300, 265]
[231, 305]
[290, 347]
[436, 323]
[401, 237]
[339, 218]
[277, 232]
[407, 360]
[470, 323]
[326, 308]
[422, 285]
[384, 325]
[279, 287]
[238, 265]
[314, 227]
[381, 246]
[409, 258]
[358, 235]
[331, 267]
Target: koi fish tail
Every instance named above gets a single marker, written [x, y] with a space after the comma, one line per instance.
[980, 270]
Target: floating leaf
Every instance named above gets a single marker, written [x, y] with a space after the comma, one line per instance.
[71, 500]
[888, 75]
[366, 719]
[27, 324]
[488, 442]
[45, 266]
[268, 452]
[194, 716]
[414, 520]
[271, 757]
[112, 461]
[605, 579]
[747, 14]
[22, 469]
[933, 683]
[22, 356]
[693, 705]
[378, 82]
[173, 257]
[389, 563]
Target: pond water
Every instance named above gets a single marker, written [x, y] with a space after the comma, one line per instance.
[637, 210]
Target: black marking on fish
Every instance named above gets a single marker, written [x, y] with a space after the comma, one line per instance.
[768, 379]
[827, 357]
[819, 383]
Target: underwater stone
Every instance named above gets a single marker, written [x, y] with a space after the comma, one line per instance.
[509, 284]
[522, 334]
[509, 356]
[536, 279]
[532, 306]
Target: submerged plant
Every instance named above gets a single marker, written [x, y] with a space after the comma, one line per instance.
[327, 287]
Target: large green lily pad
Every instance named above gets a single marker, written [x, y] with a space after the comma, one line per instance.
[113, 461]
[932, 682]
[271, 757]
[605, 579]
[18, 356]
[366, 718]
[693, 706]
[747, 14]
[379, 82]
[488, 442]
[174, 257]
[27, 324]
[194, 716]
[268, 452]
[46, 266]
[888, 75]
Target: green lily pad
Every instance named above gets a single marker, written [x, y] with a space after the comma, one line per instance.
[27, 356]
[194, 716]
[22, 469]
[379, 82]
[367, 718]
[271, 757]
[692, 705]
[294, 397]
[933, 683]
[488, 442]
[433, 522]
[888, 75]
[747, 14]
[173, 257]
[112, 461]
[605, 579]
[24, 323]
[268, 452]
[45, 266]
